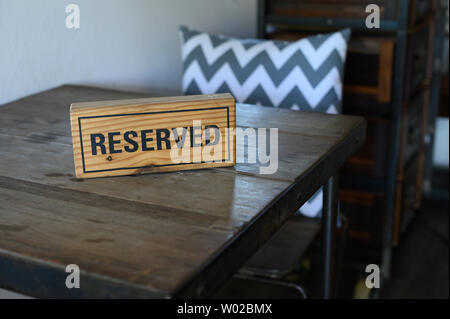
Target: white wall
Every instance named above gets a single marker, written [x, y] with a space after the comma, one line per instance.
[124, 44]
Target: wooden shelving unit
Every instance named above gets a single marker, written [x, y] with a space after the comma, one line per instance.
[387, 80]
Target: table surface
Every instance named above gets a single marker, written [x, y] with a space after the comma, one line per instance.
[179, 234]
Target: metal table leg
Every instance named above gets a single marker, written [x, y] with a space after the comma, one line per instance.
[329, 216]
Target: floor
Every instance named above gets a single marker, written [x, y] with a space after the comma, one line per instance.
[420, 266]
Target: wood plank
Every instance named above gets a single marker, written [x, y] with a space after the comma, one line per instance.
[296, 153]
[163, 102]
[49, 123]
[303, 123]
[132, 246]
[362, 89]
[385, 70]
[293, 161]
[193, 190]
[51, 108]
[350, 9]
[137, 136]
[304, 138]
[68, 94]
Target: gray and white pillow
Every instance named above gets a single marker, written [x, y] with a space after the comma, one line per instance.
[303, 75]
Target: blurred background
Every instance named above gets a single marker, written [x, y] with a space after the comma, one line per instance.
[394, 191]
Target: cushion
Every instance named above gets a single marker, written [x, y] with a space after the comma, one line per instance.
[303, 75]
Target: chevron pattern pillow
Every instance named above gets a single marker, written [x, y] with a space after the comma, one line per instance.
[303, 75]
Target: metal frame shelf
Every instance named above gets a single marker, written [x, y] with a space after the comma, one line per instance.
[399, 29]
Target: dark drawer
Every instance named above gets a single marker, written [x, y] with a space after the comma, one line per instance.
[349, 9]
[371, 159]
[369, 69]
[365, 213]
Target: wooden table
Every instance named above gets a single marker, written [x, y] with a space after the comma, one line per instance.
[160, 235]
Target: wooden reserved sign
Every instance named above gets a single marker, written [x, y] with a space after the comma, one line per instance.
[138, 136]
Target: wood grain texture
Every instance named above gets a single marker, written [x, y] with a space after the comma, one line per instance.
[91, 234]
[350, 9]
[136, 136]
[385, 63]
[179, 234]
[354, 9]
